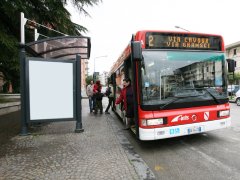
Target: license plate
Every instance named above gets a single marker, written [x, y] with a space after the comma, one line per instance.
[194, 129]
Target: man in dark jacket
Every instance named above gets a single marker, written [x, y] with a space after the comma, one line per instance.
[126, 97]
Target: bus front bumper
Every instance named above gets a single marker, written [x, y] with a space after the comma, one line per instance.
[182, 130]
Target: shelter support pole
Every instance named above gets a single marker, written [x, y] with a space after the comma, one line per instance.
[22, 55]
[23, 21]
[79, 128]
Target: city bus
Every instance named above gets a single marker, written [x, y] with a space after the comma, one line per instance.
[179, 82]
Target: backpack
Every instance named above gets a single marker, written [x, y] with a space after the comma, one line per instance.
[108, 91]
[99, 96]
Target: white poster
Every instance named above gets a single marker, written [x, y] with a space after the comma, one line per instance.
[50, 90]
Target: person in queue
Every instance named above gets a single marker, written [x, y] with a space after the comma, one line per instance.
[89, 93]
[98, 95]
[126, 96]
[110, 94]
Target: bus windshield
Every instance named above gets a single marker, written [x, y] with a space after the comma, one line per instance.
[170, 77]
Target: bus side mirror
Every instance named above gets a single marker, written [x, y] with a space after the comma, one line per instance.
[137, 50]
[231, 65]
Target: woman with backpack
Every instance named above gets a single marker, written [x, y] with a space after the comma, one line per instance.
[110, 94]
[98, 95]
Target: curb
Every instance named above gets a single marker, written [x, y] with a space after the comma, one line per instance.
[9, 107]
[142, 169]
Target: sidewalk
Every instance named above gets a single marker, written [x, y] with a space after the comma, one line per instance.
[54, 151]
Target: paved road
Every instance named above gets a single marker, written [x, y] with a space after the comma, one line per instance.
[208, 156]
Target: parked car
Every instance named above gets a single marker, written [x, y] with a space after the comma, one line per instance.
[232, 89]
[235, 97]
[238, 97]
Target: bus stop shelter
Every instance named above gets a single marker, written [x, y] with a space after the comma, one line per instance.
[50, 78]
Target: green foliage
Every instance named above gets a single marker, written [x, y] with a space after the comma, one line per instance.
[237, 76]
[50, 13]
[234, 79]
[89, 79]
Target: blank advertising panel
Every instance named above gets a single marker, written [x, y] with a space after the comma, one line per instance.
[51, 90]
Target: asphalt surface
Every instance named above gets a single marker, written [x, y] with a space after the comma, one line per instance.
[9, 126]
[208, 156]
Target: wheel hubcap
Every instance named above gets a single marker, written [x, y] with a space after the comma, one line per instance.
[238, 102]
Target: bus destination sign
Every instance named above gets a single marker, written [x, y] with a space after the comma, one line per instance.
[182, 41]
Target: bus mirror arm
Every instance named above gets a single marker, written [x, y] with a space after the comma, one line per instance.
[231, 65]
[136, 50]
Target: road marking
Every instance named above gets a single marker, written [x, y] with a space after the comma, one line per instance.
[158, 168]
[230, 170]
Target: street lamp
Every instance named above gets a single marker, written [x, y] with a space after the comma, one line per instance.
[94, 78]
[182, 28]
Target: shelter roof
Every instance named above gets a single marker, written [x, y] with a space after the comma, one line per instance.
[66, 47]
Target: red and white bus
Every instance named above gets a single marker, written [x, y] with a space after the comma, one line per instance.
[179, 81]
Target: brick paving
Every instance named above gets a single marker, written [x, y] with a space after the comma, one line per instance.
[54, 151]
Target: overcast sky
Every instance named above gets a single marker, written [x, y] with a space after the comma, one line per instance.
[113, 22]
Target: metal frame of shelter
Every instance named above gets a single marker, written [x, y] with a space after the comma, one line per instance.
[63, 49]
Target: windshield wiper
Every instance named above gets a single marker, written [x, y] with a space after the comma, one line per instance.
[214, 98]
[176, 99]
[182, 97]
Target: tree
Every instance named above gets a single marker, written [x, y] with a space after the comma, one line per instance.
[234, 79]
[89, 79]
[50, 13]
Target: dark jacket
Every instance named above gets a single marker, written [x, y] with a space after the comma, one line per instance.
[126, 96]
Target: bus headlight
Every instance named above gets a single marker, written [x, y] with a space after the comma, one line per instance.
[223, 113]
[152, 122]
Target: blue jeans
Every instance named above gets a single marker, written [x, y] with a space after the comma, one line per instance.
[91, 103]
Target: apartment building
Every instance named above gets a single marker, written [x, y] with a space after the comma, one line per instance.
[233, 52]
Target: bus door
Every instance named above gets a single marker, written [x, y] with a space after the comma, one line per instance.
[113, 80]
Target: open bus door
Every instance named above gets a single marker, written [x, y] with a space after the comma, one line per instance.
[113, 79]
[136, 56]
